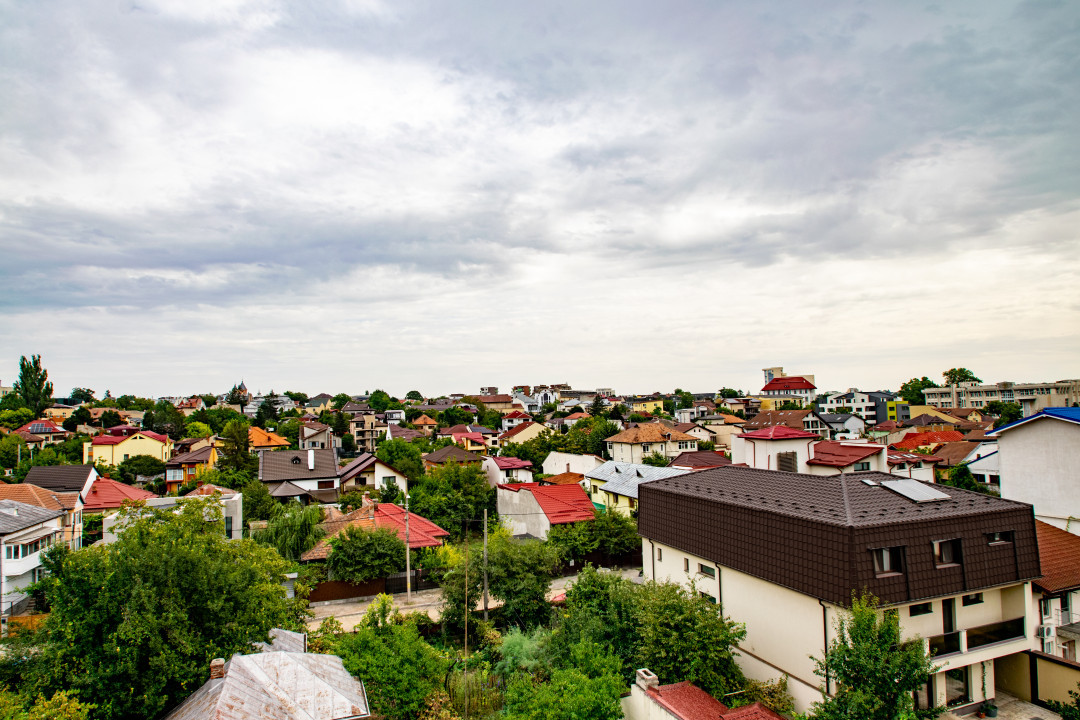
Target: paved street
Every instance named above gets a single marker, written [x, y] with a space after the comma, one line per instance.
[348, 613]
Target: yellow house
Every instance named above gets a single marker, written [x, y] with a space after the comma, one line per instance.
[524, 432]
[649, 405]
[774, 403]
[115, 449]
[917, 410]
[188, 466]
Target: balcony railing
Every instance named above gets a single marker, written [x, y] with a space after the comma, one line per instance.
[945, 644]
[972, 638]
[995, 632]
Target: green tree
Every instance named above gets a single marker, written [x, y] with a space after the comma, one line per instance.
[164, 418]
[955, 376]
[33, 385]
[235, 452]
[297, 397]
[912, 390]
[414, 395]
[70, 450]
[358, 555]
[60, 706]
[453, 495]
[405, 457]
[81, 416]
[198, 430]
[1004, 412]
[82, 395]
[570, 694]
[461, 584]
[134, 624]
[729, 393]
[870, 669]
[340, 400]
[235, 396]
[12, 401]
[454, 416]
[219, 417]
[340, 424]
[258, 504]
[348, 443]
[11, 448]
[136, 465]
[111, 418]
[656, 459]
[961, 477]
[12, 419]
[292, 529]
[398, 668]
[379, 401]
[683, 637]
[617, 412]
[520, 574]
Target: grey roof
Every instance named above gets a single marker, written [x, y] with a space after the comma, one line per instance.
[293, 465]
[278, 685]
[15, 516]
[66, 478]
[286, 489]
[852, 500]
[836, 417]
[623, 478]
[200, 455]
[452, 453]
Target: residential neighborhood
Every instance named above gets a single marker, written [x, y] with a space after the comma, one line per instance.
[957, 525]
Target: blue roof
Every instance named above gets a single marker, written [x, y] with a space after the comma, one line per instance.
[1068, 414]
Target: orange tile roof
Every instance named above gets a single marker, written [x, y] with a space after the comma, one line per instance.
[34, 495]
[260, 438]
[566, 478]
[651, 433]
[422, 532]
[924, 439]
[1059, 556]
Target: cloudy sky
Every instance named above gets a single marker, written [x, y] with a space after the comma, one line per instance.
[351, 194]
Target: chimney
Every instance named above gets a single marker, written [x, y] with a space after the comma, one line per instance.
[217, 669]
[646, 679]
[311, 459]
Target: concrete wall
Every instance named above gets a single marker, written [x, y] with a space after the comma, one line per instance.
[520, 511]
[560, 462]
[1038, 464]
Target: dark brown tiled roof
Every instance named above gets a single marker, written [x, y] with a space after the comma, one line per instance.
[700, 459]
[452, 453]
[293, 465]
[766, 418]
[953, 453]
[814, 534]
[1059, 553]
[70, 478]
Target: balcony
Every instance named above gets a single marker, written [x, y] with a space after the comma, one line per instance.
[974, 638]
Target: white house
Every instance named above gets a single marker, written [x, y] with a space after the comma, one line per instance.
[25, 532]
[561, 462]
[507, 470]
[530, 509]
[368, 472]
[641, 441]
[1037, 457]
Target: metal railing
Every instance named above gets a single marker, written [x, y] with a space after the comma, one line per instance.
[976, 637]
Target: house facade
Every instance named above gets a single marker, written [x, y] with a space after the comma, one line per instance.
[637, 443]
[25, 532]
[783, 553]
[115, 449]
[530, 509]
[187, 467]
[613, 486]
[367, 472]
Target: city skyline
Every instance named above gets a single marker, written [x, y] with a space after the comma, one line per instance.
[438, 197]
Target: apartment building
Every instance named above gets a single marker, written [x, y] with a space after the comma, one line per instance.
[1032, 397]
[783, 553]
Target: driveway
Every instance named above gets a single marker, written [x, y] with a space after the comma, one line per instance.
[349, 612]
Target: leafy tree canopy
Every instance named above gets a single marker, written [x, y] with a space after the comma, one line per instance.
[729, 393]
[955, 376]
[358, 555]
[520, 574]
[292, 529]
[873, 672]
[340, 400]
[82, 395]
[145, 465]
[235, 452]
[414, 395]
[405, 457]
[33, 385]
[379, 401]
[452, 495]
[1004, 412]
[12, 401]
[169, 595]
[198, 430]
[297, 397]
[12, 419]
[656, 459]
[912, 390]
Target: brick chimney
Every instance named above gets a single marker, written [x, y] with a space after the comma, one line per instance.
[646, 679]
[217, 668]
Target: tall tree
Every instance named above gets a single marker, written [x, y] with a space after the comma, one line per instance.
[414, 395]
[340, 400]
[912, 390]
[520, 574]
[235, 396]
[379, 401]
[358, 554]
[403, 456]
[33, 385]
[170, 594]
[82, 395]
[955, 376]
[870, 669]
[292, 530]
[236, 448]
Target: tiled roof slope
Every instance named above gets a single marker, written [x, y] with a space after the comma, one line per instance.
[106, 493]
[560, 503]
[63, 478]
[34, 495]
[452, 453]
[766, 418]
[793, 382]
[15, 516]
[835, 454]
[814, 534]
[650, 433]
[293, 465]
[923, 439]
[422, 532]
[624, 478]
[566, 478]
[701, 459]
[1059, 554]
[779, 432]
[687, 701]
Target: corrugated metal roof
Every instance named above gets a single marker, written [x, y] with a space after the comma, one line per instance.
[623, 478]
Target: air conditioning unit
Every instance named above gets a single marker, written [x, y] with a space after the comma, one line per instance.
[1044, 631]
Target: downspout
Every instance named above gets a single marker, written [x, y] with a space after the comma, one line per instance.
[825, 642]
[652, 547]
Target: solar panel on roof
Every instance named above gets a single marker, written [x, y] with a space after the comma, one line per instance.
[914, 490]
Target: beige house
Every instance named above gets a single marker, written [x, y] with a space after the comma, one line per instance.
[524, 432]
[723, 426]
[115, 449]
[368, 431]
[955, 566]
[1032, 397]
[641, 441]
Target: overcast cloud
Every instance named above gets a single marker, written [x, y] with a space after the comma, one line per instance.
[629, 194]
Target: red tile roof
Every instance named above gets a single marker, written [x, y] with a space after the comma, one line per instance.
[517, 414]
[793, 382]
[778, 432]
[422, 532]
[561, 503]
[650, 433]
[42, 427]
[577, 416]
[512, 463]
[754, 711]
[106, 494]
[834, 454]
[34, 495]
[516, 429]
[117, 439]
[687, 701]
[924, 439]
[897, 456]
[1059, 556]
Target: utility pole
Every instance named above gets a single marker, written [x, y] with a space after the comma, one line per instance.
[408, 567]
[467, 622]
[485, 568]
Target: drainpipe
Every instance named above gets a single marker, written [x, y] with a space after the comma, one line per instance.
[652, 547]
[825, 640]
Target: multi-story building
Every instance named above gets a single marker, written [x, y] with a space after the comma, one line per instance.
[25, 532]
[872, 406]
[1032, 397]
[641, 441]
[784, 552]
